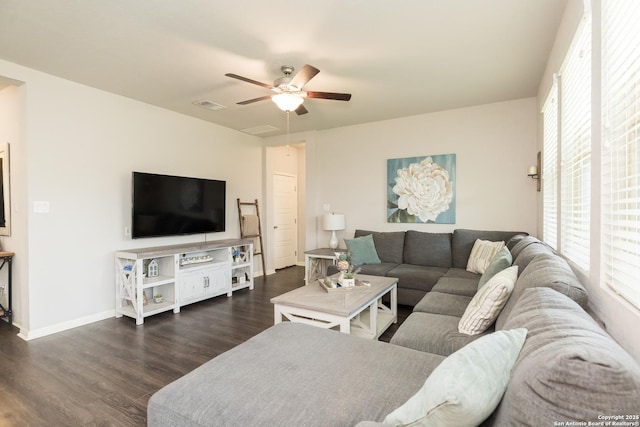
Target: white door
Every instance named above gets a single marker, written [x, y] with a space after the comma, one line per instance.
[285, 229]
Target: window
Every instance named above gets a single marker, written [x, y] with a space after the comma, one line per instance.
[550, 167]
[575, 149]
[621, 147]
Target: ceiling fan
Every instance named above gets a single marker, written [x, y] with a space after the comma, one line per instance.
[289, 95]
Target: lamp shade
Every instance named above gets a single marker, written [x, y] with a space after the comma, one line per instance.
[287, 101]
[333, 221]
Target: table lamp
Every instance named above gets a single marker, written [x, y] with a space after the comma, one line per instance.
[333, 222]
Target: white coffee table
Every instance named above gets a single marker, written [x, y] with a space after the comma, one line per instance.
[358, 311]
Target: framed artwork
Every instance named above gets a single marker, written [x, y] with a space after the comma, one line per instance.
[422, 189]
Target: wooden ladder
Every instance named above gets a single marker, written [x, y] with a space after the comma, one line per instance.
[257, 249]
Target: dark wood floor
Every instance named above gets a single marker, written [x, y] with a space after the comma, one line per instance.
[103, 374]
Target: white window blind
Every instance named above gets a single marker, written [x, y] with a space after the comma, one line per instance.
[621, 147]
[550, 168]
[575, 149]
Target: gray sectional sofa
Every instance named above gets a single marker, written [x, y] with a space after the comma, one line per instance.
[568, 368]
[420, 260]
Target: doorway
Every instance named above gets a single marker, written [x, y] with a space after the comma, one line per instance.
[285, 220]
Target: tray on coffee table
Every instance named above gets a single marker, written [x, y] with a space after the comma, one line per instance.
[338, 288]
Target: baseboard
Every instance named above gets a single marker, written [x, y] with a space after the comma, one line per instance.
[29, 335]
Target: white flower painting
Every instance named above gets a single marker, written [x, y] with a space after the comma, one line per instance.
[421, 189]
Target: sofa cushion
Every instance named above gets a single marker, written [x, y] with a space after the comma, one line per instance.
[441, 303]
[514, 240]
[528, 248]
[569, 368]
[466, 387]
[362, 250]
[461, 273]
[430, 249]
[482, 254]
[499, 262]
[389, 244]
[377, 269]
[546, 270]
[518, 243]
[463, 240]
[487, 303]
[293, 375]
[417, 276]
[433, 333]
[457, 285]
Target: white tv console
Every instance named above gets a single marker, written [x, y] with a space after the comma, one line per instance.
[186, 273]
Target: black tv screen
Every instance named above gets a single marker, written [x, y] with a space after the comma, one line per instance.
[165, 205]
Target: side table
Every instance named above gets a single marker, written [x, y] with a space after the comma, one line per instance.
[7, 258]
[316, 262]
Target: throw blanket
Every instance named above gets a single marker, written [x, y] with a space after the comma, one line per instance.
[250, 226]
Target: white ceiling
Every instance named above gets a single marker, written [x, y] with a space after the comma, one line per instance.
[397, 58]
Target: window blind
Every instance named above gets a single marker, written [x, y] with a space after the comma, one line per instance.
[550, 168]
[575, 149]
[621, 147]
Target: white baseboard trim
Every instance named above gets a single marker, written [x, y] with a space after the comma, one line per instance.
[29, 335]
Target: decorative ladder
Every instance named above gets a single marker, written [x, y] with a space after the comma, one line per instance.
[251, 234]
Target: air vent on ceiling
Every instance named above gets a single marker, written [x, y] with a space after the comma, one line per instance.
[210, 105]
[256, 130]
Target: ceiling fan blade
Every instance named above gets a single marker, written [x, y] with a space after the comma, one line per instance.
[301, 110]
[244, 79]
[251, 101]
[329, 95]
[302, 78]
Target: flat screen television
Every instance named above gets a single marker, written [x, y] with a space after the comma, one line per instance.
[165, 205]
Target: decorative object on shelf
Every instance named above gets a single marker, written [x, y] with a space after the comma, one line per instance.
[534, 171]
[157, 298]
[153, 268]
[236, 256]
[333, 222]
[342, 261]
[422, 189]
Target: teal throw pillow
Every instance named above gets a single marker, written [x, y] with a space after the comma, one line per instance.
[467, 386]
[500, 261]
[362, 250]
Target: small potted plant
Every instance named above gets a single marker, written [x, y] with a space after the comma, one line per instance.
[157, 298]
[348, 278]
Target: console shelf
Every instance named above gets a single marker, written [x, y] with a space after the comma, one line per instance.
[182, 274]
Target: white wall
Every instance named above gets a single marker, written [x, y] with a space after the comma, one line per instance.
[12, 132]
[81, 146]
[494, 144]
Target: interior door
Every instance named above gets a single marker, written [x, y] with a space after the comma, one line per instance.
[285, 229]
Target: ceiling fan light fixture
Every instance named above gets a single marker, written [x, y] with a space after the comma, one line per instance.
[287, 101]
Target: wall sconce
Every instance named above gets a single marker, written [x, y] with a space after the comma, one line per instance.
[333, 222]
[534, 172]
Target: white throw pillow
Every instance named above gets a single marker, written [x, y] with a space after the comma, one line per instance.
[482, 254]
[466, 387]
[486, 304]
